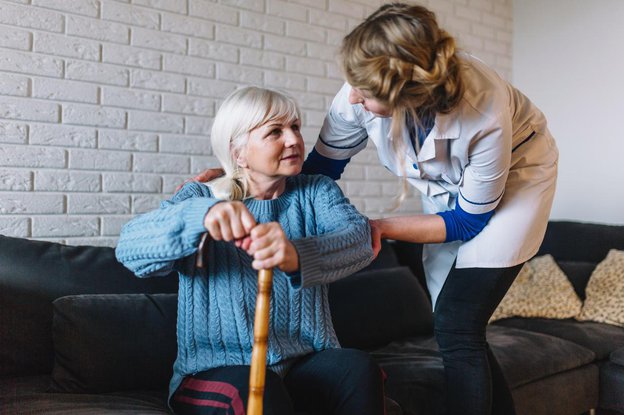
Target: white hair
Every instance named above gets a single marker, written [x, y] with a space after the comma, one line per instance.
[243, 111]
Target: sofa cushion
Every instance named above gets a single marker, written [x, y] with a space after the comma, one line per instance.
[540, 290]
[617, 356]
[372, 308]
[33, 274]
[144, 403]
[387, 258]
[600, 338]
[410, 254]
[542, 355]
[611, 388]
[114, 342]
[604, 295]
[416, 374]
[565, 393]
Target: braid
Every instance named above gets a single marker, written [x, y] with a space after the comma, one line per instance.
[406, 61]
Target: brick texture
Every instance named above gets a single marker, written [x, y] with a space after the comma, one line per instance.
[106, 105]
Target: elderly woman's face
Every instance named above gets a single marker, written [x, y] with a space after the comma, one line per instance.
[274, 149]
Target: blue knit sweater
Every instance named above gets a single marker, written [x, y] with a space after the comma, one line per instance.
[216, 305]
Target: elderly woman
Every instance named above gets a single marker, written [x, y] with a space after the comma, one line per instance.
[261, 214]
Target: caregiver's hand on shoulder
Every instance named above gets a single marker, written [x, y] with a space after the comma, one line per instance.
[229, 221]
[203, 177]
[271, 248]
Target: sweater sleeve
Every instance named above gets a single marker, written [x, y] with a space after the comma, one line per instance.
[342, 243]
[150, 243]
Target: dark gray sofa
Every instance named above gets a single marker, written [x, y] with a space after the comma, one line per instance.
[65, 350]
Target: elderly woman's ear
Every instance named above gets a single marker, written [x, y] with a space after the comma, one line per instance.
[241, 159]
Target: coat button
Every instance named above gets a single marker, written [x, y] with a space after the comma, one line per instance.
[415, 166]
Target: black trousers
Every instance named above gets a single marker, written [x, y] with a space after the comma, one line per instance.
[335, 381]
[474, 381]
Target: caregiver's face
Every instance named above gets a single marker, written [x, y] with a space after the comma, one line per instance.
[370, 104]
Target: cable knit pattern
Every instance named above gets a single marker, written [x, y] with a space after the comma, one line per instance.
[216, 306]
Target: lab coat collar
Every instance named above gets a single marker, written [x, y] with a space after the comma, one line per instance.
[446, 127]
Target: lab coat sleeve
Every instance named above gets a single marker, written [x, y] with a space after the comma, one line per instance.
[483, 180]
[343, 134]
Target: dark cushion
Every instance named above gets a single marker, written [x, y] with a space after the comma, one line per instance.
[542, 355]
[600, 338]
[611, 389]
[143, 403]
[416, 373]
[410, 255]
[372, 308]
[114, 342]
[578, 273]
[33, 274]
[386, 258]
[617, 356]
[570, 392]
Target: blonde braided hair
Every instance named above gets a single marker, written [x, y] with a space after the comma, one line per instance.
[404, 60]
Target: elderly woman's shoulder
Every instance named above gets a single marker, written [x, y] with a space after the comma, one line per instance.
[193, 189]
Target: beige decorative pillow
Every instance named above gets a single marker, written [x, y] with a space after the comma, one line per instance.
[604, 295]
[540, 290]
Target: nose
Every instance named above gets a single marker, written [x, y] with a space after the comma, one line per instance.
[291, 138]
[355, 97]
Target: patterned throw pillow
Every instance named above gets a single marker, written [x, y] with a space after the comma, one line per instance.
[604, 295]
[540, 290]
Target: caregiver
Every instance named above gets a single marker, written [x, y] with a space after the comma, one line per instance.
[481, 155]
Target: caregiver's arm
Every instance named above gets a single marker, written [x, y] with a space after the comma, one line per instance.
[414, 228]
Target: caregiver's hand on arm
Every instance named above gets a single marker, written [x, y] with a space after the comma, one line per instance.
[271, 248]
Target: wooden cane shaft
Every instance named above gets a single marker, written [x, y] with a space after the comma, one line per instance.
[261, 337]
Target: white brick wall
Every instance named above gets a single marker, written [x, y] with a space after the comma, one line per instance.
[105, 105]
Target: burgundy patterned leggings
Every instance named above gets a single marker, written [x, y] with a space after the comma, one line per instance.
[335, 381]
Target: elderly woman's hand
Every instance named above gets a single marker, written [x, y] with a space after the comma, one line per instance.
[229, 221]
[271, 248]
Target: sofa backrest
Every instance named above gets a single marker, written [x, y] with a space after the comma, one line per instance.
[35, 273]
[578, 247]
[578, 241]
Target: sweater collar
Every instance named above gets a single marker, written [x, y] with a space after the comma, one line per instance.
[272, 205]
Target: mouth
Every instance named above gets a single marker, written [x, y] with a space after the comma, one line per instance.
[291, 157]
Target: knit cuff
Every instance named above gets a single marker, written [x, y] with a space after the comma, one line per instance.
[310, 262]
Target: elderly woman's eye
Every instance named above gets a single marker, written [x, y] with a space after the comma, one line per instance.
[295, 127]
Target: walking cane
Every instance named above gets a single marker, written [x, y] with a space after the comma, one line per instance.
[261, 339]
[261, 332]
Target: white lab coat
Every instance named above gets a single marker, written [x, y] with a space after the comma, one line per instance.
[493, 151]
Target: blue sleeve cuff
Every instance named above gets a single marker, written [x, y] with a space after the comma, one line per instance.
[318, 164]
[461, 225]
